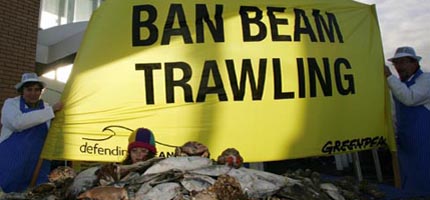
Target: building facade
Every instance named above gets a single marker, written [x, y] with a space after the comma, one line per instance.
[40, 36]
[19, 21]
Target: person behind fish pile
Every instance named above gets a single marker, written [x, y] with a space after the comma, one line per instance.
[141, 146]
[25, 120]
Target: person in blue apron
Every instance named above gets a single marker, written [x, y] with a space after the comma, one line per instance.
[25, 120]
[411, 95]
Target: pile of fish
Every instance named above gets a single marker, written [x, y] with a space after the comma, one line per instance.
[193, 176]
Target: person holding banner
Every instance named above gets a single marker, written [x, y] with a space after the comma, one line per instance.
[411, 94]
[25, 120]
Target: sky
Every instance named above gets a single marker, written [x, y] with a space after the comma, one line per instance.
[404, 23]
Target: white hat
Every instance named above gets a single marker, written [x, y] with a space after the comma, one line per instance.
[29, 77]
[405, 52]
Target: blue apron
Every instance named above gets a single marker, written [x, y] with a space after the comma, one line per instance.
[413, 132]
[20, 153]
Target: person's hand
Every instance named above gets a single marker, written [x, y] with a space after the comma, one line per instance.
[57, 106]
[387, 71]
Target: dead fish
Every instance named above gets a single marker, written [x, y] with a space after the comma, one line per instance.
[196, 182]
[332, 191]
[164, 191]
[43, 188]
[61, 174]
[258, 184]
[108, 174]
[192, 148]
[228, 188]
[140, 166]
[255, 183]
[213, 170]
[230, 157]
[179, 163]
[203, 195]
[145, 178]
[13, 195]
[105, 193]
[83, 181]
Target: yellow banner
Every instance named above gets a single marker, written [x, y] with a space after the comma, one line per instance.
[275, 80]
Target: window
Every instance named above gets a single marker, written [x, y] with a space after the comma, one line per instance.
[60, 12]
[61, 74]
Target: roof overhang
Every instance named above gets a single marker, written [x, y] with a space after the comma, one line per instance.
[59, 43]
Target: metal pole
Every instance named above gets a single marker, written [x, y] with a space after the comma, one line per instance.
[357, 167]
[377, 165]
